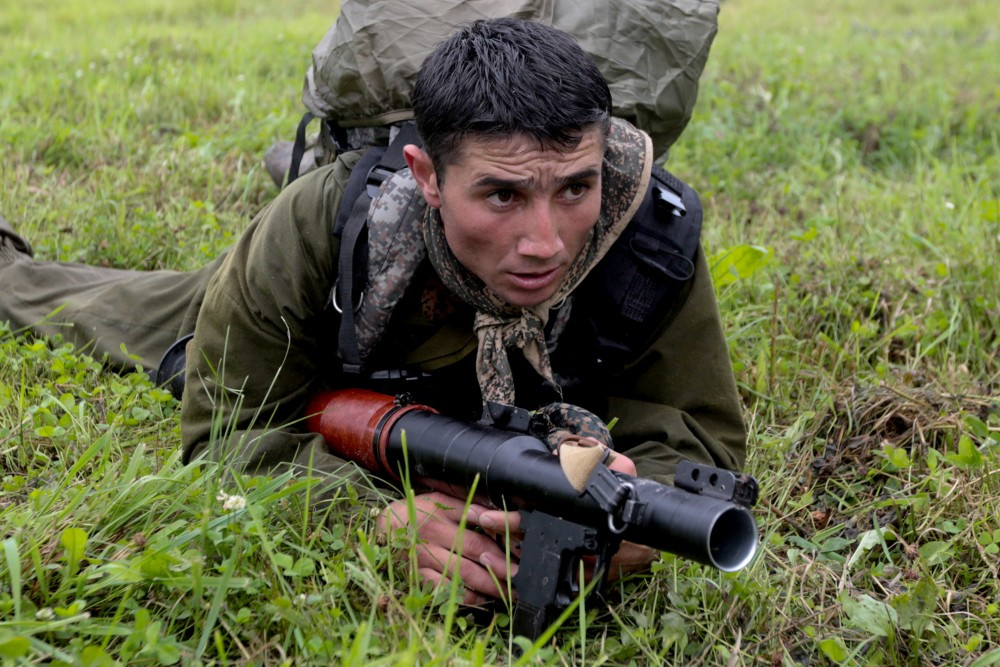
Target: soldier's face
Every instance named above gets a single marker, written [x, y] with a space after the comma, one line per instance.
[515, 214]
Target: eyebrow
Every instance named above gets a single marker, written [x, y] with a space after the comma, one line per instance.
[528, 183]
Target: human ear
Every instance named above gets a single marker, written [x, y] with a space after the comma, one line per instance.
[423, 172]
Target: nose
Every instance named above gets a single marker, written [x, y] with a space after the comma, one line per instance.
[541, 236]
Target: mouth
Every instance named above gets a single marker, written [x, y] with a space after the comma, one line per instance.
[535, 280]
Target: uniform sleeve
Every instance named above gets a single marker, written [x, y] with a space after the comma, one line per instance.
[264, 336]
[681, 400]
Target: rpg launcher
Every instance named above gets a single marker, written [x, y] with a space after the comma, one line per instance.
[705, 517]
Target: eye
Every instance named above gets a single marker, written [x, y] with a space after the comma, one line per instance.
[576, 191]
[501, 198]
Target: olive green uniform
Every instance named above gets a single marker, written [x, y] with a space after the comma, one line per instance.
[267, 336]
[125, 317]
[266, 341]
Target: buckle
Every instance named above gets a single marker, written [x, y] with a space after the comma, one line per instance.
[377, 175]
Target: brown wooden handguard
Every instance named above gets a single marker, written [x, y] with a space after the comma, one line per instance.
[356, 424]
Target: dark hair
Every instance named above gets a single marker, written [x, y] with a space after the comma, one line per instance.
[502, 77]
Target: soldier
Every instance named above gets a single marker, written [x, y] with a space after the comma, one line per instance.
[476, 256]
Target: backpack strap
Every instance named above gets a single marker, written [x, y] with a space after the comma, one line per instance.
[329, 129]
[664, 243]
[299, 147]
[351, 226]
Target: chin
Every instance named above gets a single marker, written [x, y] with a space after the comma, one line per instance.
[525, 301]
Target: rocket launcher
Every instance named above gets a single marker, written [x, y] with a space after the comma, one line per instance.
[704, 517]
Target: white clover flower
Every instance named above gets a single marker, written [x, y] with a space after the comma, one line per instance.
[45, 614]
[231, 503]
[949, 205]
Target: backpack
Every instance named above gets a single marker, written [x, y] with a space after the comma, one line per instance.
[652, 53]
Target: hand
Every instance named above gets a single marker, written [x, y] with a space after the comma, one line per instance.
[482, 563]
[630, 557]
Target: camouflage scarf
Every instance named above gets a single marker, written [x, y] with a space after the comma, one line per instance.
[402, 229]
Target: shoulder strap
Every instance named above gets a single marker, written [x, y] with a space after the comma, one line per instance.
[351, 225]
[664, 243]
[630, 296]
[299, 147]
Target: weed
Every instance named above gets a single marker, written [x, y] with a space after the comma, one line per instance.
[847, 158]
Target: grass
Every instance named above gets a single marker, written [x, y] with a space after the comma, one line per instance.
[854, 145]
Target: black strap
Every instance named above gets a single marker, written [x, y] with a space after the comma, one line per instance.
[351, 226]
[633, 292]
[393, 159]
[353, 252]
[299, 149]
[356, 187]
[338, 135]
[665, 251]
[661, 243]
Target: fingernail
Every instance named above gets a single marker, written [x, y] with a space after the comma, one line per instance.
[486, 561]
[486, 521]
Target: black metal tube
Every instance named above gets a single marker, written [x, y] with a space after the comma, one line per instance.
[716, 532]
[517, 472]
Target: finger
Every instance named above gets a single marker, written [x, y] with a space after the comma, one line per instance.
[622, 463]
[511, 545]
[436, 529]
[469, 597]
[474, 576]
[482, 572]
[500, 521]
[472, 545]
[631, 557]
[428, 506]
[449, 507]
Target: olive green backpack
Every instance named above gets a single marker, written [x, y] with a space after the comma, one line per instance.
[652, 53]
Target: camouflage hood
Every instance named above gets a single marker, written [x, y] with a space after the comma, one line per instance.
[652, 53]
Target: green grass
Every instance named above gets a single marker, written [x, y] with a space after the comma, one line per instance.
[856, 142]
